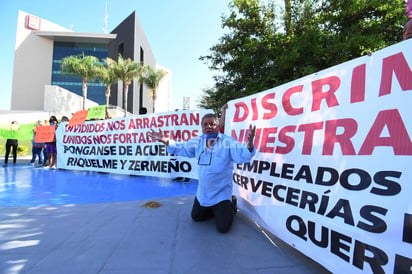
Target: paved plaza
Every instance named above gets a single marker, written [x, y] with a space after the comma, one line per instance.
[125, 236]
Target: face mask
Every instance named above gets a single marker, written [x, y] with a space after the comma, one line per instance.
[208, 136]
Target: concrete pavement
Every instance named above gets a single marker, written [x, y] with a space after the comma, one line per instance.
[124, 237]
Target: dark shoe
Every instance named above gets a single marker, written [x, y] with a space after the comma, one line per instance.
[234, 204]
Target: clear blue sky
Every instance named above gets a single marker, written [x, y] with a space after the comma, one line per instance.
[179, 32]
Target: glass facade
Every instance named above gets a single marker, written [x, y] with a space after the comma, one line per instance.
[95, 90]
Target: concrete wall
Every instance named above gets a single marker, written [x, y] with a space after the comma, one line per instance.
[32, 64]
[23, 117]
[63, 102]
[57, 101]
[163, 92]
[130, 33]
[141, 42]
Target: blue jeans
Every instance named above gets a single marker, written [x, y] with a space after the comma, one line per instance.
[37, 151]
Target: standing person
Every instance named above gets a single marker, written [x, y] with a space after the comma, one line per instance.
[12, 144]
[37, 148]
[51, 146]
[45, 156]
[64, 119]
[216, 153]
[407, 29]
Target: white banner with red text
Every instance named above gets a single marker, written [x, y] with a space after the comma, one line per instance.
[122, 145]
[332, 175]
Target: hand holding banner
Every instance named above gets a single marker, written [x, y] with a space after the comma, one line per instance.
[78, 118]
[19, 132]
[97, 112]
[45, 134]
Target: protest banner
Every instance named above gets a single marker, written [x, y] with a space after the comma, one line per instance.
[332, 173]
[19, 132]
[45, 134]
[122, 145]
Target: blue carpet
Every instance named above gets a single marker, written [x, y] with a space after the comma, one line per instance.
[23, 185]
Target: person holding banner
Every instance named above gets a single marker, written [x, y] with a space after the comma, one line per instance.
[222, 119]
[407, 29]
[216, 153]
[64, 119]
[12, 144]
[37, 148]
[51, 146]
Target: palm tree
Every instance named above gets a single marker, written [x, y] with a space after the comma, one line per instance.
[151, 78]
[82, 66]
[106, 75]
[126, 70]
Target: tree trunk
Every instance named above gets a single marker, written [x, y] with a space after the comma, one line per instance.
[154, 100]
[84, 86]
[288, 17]
[125, 93]
[107, 101]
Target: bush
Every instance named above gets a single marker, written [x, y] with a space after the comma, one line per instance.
[22, 150]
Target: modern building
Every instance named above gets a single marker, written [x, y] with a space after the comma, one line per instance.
[39, 85]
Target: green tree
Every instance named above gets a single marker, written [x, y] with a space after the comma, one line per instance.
[262, 49]
[126, 70]
[151, 78]
[245, 55]
[105, 74]
[82, 66]
[356, 27]
[211, 100]
[287, 17]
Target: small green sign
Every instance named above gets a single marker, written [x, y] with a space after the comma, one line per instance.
[97, 112]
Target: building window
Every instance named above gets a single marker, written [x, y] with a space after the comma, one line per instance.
[141, 55]
[120, 49]
[95, 90]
